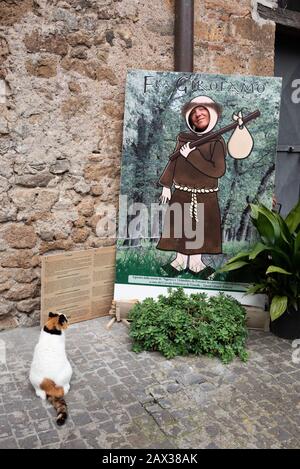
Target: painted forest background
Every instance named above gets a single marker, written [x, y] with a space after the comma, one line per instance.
[151, 123]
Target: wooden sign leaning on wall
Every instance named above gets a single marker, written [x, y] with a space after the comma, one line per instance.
[78, 284]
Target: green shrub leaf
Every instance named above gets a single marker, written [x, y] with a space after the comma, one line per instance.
[264, 223]
[257, 249]
[257, 288]
[239, 256]
[280, 270]
[278, 306]
[233, 266]
[297, 243]
[293, 218]
[179, 324]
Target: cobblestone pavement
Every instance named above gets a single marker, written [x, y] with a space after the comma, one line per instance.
[122, 400]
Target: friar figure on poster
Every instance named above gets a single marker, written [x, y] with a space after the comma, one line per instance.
[194, 177]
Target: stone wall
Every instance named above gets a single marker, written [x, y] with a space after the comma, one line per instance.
[62, 69]
[230, 39]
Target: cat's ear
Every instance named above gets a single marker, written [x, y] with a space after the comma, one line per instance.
[52, 315]
[62, 319]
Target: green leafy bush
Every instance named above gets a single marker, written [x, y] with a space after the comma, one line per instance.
[178, 324]
[274, 260]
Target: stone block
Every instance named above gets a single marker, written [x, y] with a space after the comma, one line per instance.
[42, 67]
[20, 236]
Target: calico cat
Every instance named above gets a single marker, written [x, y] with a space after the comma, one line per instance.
[51, 371]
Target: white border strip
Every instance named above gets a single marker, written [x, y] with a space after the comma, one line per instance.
[140, 292]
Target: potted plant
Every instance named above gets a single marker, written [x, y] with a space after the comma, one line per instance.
[274, 262]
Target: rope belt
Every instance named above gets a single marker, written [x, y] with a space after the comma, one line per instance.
[194, 192]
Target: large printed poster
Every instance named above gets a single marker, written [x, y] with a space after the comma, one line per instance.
[197, 150]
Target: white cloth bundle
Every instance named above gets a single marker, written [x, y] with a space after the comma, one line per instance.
[240, 143]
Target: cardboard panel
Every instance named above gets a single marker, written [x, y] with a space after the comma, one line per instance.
[78, 284]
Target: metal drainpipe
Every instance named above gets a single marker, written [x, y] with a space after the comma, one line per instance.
[184, 36]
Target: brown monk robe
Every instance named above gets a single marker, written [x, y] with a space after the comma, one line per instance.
[200, 170]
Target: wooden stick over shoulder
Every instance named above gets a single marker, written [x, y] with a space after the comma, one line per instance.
[217, 133]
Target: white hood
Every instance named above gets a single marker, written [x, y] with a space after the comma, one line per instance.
[212, 107]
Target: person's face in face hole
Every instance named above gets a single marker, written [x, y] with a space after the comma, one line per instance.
[200, 118]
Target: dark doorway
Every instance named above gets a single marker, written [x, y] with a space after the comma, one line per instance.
[287, 65]
[290, 4]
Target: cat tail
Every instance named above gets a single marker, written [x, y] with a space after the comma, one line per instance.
[61, 408]
[55, 397]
